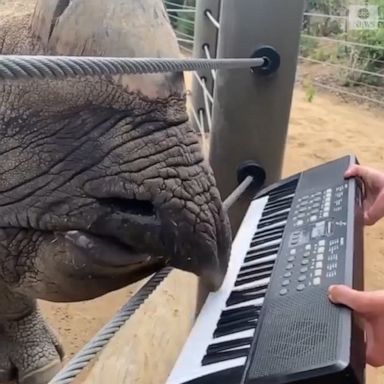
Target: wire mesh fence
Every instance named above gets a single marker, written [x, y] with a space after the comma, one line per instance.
[335, 55]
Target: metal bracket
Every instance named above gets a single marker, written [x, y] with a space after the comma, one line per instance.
[271, 58]
[253, 169]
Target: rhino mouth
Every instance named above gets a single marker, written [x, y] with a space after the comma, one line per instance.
[121, 238]
[105, 251]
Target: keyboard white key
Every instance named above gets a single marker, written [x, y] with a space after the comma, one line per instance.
[254, 284]
[188, 365]
[261, 260]
[269, 243]
[235, 295]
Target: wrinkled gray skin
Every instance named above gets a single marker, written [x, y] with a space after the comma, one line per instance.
[102, 181]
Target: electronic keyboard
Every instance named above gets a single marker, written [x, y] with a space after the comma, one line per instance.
[272, 321]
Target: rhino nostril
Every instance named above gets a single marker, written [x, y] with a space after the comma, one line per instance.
[132, 206]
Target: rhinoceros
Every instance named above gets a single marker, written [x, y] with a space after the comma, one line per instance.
[102, 178]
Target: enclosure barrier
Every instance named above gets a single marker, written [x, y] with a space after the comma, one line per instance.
[249, 116]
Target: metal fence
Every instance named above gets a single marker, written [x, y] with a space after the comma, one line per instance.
[332, 57]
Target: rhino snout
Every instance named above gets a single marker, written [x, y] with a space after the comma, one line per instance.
[193, 235]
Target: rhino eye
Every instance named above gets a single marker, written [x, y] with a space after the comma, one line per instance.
[132, 206]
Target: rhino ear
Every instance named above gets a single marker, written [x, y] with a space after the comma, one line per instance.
[45, 17]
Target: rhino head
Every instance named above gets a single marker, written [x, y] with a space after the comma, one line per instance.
[102, 179]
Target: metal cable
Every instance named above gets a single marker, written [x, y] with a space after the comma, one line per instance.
[203, 85]
[207, 107]
[208, 55]
[96, 344]
[213, 20]
[235, 195]
[59, 67]
[344, 67]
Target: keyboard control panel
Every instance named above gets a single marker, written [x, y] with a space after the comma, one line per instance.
[315, 241]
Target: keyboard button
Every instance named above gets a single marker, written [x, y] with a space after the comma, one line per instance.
[304, 269]
[305, 262]
[300, 287]
[285, 283]
[287, 274]
[302, 277]
[289, 266]
[283, 291]
[291, 258]
[316, 281]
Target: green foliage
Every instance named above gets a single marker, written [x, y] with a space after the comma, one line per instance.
[310, 91]
[365, 56]
[182, 22]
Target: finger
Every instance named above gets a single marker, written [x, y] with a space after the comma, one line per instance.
[355, 300]
[357, 170]
[375, 212]
[375, 345]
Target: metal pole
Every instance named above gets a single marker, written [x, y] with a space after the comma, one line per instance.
[251, 112]
[205, 34]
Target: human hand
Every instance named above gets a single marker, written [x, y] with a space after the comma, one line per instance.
[374, 187]
[369, 308]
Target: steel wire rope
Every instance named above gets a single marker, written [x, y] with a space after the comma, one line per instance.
[58, 67]
[209, 57]
[212, 19]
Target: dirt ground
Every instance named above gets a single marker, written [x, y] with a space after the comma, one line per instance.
[319, 131]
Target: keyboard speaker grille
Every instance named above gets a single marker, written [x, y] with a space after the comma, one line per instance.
[299, 332]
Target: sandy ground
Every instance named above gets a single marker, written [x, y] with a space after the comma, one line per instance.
[319, 131]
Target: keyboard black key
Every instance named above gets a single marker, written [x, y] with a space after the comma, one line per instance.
[257, 261]
[218, 357]
[260, 251]
[273, 219]
[256, 267]
[255, 270]
[278, 208]
[256, 254]
[265, 240]
[273, 202]
[251, 279]
[263, 248]
[264, 232]
[239, 297]
[229, 330]
[234, 311]
[237, 321]
[238, 313]
[266, 223]
[224, 345]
